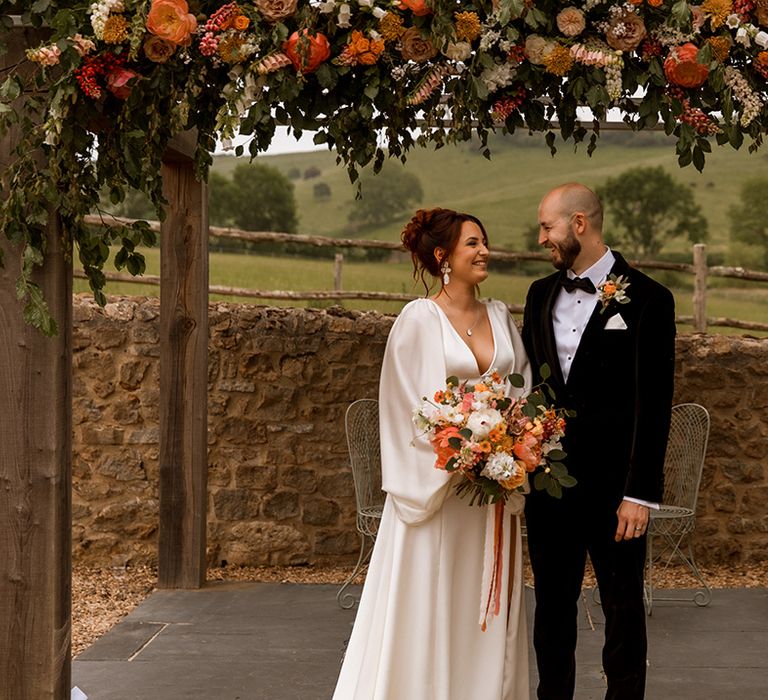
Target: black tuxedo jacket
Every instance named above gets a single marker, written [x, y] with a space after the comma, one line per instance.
[620, 385]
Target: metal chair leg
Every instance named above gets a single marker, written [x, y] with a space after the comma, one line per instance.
[701, 597]
[347, 601]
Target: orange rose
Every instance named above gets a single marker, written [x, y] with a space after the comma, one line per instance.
[418, 7]
[655, 3]
[242, 22]
[682, 68]
[442, 447]
[170, 20]
[609, 289]
[307, 51]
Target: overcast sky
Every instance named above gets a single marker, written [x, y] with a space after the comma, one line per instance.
[285, 143]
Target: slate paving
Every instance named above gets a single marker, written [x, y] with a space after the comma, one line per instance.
[265, 641]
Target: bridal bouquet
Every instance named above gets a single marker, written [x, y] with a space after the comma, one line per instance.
[495, 441]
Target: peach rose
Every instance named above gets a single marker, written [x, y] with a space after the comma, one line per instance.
[626, 31]
[276, 10]
[118, 82]
[415, 47]
[307, 51]
[158, 50]
[171, 20]
[571, 21]
[527, 450]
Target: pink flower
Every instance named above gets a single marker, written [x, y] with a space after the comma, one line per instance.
[527, 450]
[118, 82]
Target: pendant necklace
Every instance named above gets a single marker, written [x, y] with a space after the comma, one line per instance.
[477, 318]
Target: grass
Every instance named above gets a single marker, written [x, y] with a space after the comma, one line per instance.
[265, 272]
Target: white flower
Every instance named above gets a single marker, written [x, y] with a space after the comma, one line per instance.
[378, 13]
[458, 50]
[498, 77]
[733, 21]
[345, 14]
[500, 467]
[536, 48]
[761, 39]
[326, 6]
[742, 36]
[482, 422]
[365, 3]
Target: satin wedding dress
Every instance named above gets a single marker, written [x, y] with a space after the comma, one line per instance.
[417, 634]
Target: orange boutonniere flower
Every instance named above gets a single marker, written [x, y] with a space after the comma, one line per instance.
[613, 289]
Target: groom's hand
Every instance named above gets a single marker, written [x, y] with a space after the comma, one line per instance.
[633, 521]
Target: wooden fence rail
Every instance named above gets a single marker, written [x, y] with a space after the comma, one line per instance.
[698, 269]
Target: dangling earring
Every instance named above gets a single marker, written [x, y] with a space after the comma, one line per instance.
[445, 268]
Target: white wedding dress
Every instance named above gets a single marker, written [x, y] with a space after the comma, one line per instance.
[417, 634]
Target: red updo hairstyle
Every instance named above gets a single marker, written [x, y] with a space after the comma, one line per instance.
[430, 229]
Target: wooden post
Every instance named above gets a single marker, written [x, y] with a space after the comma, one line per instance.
[338, 262]
[35, 467]
[183, 372]
[700, 288]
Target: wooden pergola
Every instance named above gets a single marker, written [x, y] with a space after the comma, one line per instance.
[36, 431]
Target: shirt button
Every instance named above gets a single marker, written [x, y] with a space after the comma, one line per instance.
[573, 329]
[578, 301]
[569, 357]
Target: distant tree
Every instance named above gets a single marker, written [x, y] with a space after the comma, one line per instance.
[312, 171]
[321, 190]
[261, 198]
[294, 173]
[749, 218]
[221, 200]
[134, 205]
[386, 197]
[648, 207]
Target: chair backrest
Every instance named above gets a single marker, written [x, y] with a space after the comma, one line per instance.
[686, 449]
[362, 427]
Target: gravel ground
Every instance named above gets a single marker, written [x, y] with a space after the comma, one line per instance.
[102, 597]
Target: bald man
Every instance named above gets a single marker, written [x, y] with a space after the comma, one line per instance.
[611, 354]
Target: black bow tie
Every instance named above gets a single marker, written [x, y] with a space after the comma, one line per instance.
[583, 283]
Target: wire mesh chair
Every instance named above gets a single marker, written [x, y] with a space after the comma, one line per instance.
[362, 427]
[673, 524]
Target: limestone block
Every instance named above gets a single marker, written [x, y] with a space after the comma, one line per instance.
[127, 465]
[281, 505]
[320, 512]
[235, 504]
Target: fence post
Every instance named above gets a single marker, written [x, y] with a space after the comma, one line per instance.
[338, 261]
[700, 288]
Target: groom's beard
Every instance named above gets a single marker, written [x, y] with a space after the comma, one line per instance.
[564, 254]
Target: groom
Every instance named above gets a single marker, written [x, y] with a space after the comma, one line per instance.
[611, 353]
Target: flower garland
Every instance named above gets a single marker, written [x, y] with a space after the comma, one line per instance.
[365, 75]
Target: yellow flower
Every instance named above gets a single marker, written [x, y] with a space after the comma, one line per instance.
[229, 49]
[115, 29]
[718, 11]
[721, 47]
[467, 26]
[559, 60]
[391, 27]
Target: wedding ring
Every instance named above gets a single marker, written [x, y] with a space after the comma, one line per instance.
[638, 528]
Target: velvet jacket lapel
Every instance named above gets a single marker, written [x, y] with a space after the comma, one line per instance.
[593, 332]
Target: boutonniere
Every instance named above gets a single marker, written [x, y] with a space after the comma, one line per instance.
[613, 289]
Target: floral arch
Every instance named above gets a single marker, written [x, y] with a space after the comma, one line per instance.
[112, 82]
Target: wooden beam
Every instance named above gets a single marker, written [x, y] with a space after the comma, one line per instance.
[183, 378]
[35, 467]
[700, 288]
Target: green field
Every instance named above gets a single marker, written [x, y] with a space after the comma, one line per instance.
[504, 192]
[747, 302]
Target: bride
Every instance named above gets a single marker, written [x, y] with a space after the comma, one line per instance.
[417, 634]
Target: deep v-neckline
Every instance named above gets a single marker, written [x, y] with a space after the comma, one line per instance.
[464, 342]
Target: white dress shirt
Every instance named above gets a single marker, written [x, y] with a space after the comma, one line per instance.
[570, 315]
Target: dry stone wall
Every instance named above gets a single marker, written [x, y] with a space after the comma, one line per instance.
[280, 490]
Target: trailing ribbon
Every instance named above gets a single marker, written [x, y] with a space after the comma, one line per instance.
[493, 564]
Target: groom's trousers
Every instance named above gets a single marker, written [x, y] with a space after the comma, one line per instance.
[559, 539]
